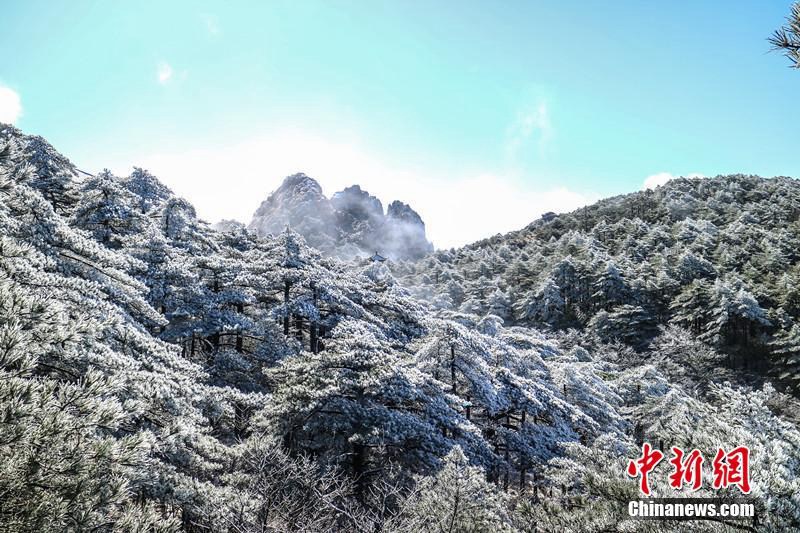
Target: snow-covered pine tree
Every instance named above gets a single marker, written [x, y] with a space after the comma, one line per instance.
[786, 353]
[360, 406]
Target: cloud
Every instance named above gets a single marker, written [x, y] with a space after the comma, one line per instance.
[10, 105]
[230, 181]
[532, 125]
[657, 180]
[164, 72]
[212, 24]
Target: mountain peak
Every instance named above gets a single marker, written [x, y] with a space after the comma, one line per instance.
[301, 183]
[401, 211]
[357, 203]
[350, 224]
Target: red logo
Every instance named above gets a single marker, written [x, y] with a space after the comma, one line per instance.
[731, 468]
[644, 465]
[686, 470]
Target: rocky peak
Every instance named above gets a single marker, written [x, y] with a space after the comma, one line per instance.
[296, 190]
[351, 224]
[299, 204]
[405, 231]
[400, 211]
[358, 203]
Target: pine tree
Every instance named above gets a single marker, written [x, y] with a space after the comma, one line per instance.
[108, 211]
[610, 288]
[358, 405]
[786, 353]
[547, 306]
[150, 192]
[626, 323]
[689, 309]
[499, 304]
[786, 39]
[457, 498]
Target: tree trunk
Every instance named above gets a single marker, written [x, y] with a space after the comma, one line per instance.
[298, 325]
[359, 462]
[239, 337]
[313, 327]
[453, 367]
[286, 288]
[507, 457]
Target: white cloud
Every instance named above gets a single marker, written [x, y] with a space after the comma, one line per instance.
[657, 180]
[212, 24]
[164, 72]
[531, 125]
[230, 181]
[10, 105]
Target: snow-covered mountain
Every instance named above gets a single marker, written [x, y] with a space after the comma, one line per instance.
[718, 256]
[157, 375]
[352, 223]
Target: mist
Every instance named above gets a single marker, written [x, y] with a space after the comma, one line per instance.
[351, 224]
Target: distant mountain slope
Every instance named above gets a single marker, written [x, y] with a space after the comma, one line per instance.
[718, 256]
[351, 224]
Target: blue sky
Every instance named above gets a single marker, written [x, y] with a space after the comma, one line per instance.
[481, 115]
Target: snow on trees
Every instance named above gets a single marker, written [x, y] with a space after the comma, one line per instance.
[357, 404]
[160, 375]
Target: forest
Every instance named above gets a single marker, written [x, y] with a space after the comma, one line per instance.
[159, 375]
[717, 257]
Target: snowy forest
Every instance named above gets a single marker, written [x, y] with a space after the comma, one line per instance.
[160, 375]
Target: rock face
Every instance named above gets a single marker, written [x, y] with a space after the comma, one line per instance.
[299, 204]
[406, 230]
[358, 215]
[350, 224]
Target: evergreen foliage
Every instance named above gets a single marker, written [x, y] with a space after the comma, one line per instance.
[159, 375]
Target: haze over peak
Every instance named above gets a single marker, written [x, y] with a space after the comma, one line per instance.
[351, 223]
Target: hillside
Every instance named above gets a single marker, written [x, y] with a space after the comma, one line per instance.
[157, 375]
[717, 257]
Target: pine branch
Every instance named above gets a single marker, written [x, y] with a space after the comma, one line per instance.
[787, 38]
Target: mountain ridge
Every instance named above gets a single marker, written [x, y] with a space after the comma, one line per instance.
[716, 255]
